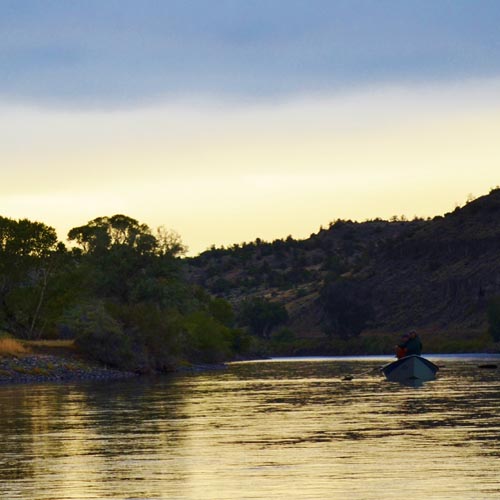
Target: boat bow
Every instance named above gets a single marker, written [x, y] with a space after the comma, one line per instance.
[410, 369]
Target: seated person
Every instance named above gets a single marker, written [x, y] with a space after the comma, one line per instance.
[414, 344]
[401, 350]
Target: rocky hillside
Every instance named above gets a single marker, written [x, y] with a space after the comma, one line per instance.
[442, 275]
[377, 276]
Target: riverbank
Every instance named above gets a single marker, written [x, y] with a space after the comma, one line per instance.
[43, 361]
[36, 368]
[49, 361]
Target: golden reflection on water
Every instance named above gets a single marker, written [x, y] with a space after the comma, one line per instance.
[256, 431]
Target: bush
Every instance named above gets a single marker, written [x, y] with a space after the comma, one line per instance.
[262, 316]
[222, 311]
[101, 337]
[347, 308]
[155, 334]
[494, 318]
[283, 342]
[242, 343]
[283, 335]
[208, 340]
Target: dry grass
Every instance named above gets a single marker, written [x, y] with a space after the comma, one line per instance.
[11, 347]
[53, 347]
[49, 343]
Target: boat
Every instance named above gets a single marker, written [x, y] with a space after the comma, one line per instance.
[410, 370]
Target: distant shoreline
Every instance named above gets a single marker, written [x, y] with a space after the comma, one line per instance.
[49, 368]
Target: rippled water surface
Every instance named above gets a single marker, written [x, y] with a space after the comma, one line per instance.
[264, 430]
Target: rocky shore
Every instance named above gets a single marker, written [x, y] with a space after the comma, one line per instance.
[49, 368]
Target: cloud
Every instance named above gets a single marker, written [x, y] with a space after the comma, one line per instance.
[222, 172]
[129, 52]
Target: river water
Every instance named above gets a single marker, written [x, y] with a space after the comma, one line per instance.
[279, 429]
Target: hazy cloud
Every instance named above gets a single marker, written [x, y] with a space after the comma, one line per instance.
[127, 52]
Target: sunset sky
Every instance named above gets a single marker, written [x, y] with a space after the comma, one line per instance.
[229, 120]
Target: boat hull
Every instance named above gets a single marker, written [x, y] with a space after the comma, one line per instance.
[411, 370]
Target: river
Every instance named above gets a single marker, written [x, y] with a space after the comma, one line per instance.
[277, 429]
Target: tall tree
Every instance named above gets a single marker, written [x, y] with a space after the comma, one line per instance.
[27, 252]
[103, 233]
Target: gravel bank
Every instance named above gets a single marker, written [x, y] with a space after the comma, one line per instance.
[48, 368]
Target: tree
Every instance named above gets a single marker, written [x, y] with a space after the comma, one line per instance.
[169, 242]
[125, 261]
[27, 261]
[261, 316]
[347, 309]
[222, 311]
[104, 233]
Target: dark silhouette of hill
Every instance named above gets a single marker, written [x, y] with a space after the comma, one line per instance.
[442, 275]
[353, 278]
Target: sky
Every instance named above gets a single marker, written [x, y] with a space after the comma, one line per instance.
[230, 120]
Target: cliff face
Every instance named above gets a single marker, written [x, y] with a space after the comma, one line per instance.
[434, 274]
[443, 274]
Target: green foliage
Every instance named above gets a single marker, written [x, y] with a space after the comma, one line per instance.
[243, 344]
[283, 335]
[124, 261]
[138, 338]
[208, 340]
[222, 311]
[102, 233]
[283, 342]
[156, 335]
[23, 238]
[261, 316]
[494, 318]
[29, 256]
[101, 336]
[121, 295]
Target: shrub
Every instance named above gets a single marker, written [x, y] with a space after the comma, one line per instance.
[155, 335]
[347, 308]
[100, 336]
[222, 311]
[283, 342]
[283, 335]
[494, 318]
[209, 341]
[262, 316]
[242, 343]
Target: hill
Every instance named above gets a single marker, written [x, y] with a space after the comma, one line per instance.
[372, 278]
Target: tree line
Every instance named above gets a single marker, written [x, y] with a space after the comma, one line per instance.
[119, 291]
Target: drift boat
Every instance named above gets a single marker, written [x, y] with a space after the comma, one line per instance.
[411, 370]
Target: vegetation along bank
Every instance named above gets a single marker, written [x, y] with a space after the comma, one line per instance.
[126, 297]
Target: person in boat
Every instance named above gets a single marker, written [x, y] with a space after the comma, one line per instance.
[401, 347]
[413, 345]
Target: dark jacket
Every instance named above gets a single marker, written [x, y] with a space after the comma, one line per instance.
[413, 346]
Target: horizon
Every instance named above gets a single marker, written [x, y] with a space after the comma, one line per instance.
[190, 254]
[237, 121]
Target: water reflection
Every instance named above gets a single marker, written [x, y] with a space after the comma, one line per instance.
[257, 430]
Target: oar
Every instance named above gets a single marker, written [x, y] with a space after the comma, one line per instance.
[351, 377]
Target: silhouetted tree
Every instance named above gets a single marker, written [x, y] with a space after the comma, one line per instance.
[261, 316]
[346, 307]
[27, 262]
